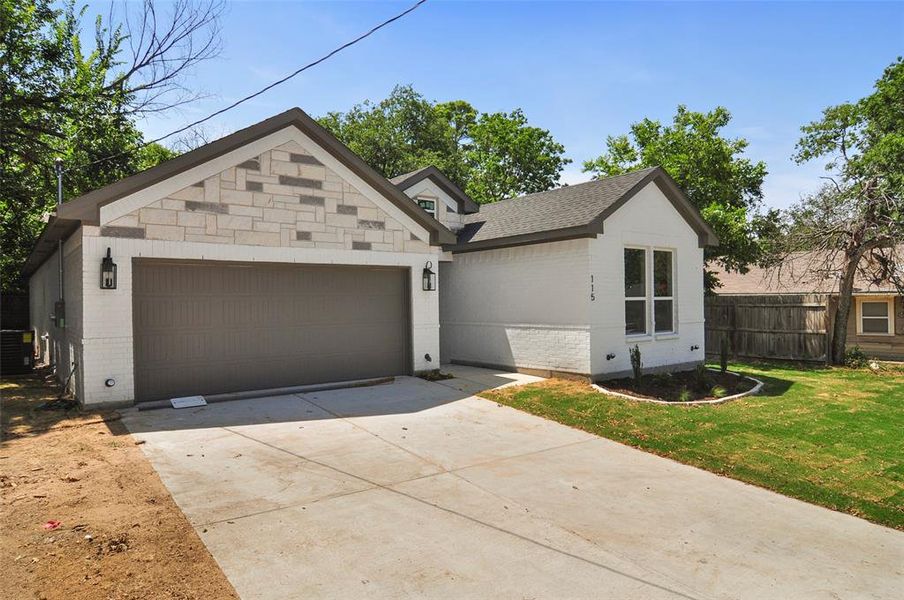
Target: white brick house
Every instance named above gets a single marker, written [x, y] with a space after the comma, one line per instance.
[275, 257]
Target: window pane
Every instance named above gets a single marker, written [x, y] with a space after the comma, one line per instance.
[635, 273]
[875, 326]
[874, 309]
[662, 315]
[662, 273]
[635, 316]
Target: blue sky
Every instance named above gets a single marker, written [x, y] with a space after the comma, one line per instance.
[582, 70]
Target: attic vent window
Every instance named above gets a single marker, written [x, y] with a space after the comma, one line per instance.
[428, 205]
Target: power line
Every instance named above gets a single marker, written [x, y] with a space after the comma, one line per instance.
[323, 58]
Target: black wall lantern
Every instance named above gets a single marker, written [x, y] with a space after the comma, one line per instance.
[108, 273]
[429, 278]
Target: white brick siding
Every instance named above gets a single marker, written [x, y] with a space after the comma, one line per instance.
[648, 220]
[530, 306]
[526, 307]
[61, 347]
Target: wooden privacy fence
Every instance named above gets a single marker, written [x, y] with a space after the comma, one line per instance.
[787, 326]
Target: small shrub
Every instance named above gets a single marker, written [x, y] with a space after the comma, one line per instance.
[636, 364]
[719, 392]
[855, 358]
[702, 381]
[685, 396]
[723, 354]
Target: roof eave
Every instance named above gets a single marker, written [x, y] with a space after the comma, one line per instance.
[86, 208]
[56, 230]
[590, 230]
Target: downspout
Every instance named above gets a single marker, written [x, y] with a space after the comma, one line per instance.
[58, 165]
[59, 308]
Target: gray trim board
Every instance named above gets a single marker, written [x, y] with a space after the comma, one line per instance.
[540, 237]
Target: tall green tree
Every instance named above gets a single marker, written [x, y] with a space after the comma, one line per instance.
[723, 184]
[855, 223]
[492, 156]
[61, 97]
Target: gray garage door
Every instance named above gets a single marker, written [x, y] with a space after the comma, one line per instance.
[207, 328]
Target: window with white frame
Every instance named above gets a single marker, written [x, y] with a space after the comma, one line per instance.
[663, 299]
[649, 291]
[635, 291]
[428, 205]
[875, 316]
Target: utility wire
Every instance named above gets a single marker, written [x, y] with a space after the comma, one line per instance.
[323, 58]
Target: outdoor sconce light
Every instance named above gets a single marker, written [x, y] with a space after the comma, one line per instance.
[429, 278]
[108, 273]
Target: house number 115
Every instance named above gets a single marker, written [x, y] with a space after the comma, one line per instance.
[592, 293]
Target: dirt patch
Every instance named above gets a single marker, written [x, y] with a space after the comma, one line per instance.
[436, 375]
[84, 514]
[683, 386]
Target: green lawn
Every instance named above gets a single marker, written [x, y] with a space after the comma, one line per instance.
[833, 437]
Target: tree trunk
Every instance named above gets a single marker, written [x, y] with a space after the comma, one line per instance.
[845, 300]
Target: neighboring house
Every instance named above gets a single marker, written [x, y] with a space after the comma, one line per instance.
[275, 257]
[875, 323]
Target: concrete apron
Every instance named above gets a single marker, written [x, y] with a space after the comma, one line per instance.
[419, 489]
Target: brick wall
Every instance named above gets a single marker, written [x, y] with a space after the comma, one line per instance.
[526, 307]
[647, 221]
[61, 347]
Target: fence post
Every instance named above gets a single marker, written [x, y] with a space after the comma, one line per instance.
[830, 329]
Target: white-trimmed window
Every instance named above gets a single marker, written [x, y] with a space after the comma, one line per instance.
[875, 316]
[663, 292]
[649, 291]
[429, 205]
[635, 291]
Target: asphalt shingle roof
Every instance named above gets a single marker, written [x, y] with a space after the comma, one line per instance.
[400, 179]
[799, 273]
[562, 208]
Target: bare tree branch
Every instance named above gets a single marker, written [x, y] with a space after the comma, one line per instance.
[163, 50]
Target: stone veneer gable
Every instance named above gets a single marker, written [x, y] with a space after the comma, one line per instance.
[284, 197]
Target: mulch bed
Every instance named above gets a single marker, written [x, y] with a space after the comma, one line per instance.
[683, 386]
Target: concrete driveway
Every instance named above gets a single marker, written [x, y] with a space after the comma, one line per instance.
[417, 489]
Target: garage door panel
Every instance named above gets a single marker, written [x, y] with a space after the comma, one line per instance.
[204, 328]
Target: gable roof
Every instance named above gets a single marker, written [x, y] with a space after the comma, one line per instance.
[570, 212]
[407, 180]
[85, 210]
[800, 273]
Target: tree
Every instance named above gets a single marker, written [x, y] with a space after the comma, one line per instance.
[855, 223]
[492, 156]
[507, 157]
[725, 186]
[62, 98]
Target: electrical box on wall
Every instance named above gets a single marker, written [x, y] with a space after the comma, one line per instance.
[59, 314]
